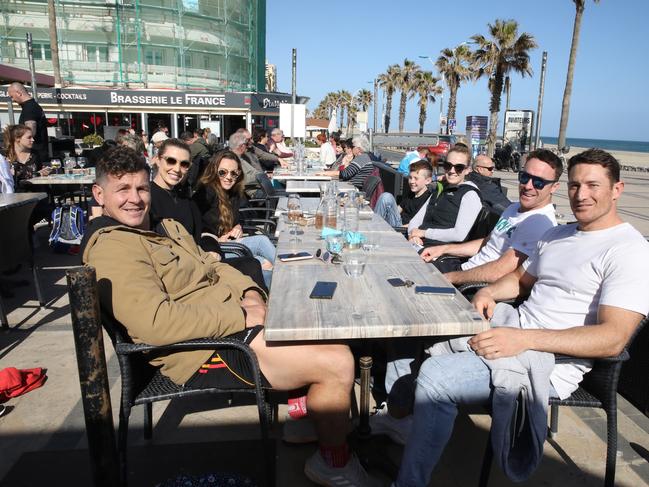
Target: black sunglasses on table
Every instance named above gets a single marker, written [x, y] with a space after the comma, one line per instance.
[172, 161]
[458, 167]
[537, 182]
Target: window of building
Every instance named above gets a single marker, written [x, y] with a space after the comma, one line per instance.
[153, 56]
[96, 54]
[42, 51]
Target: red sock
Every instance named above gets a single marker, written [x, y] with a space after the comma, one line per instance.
[297, 407]
[335, 456]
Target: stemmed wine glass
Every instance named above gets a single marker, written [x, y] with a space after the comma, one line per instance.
[56, 165]
[81, 162]
[294, 214]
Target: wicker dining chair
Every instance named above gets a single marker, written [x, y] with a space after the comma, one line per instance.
[144, 384]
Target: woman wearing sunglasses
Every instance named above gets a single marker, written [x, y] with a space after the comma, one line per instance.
[453, 209]
[169, 199]
[219, 197]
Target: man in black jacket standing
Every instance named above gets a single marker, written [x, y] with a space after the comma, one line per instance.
[32, 115]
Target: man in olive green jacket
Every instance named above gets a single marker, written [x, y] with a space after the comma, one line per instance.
[164, 289]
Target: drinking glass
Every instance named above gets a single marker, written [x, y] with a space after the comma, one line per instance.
[56, 165]
[371, 243]
[354, 263]
[294, 214]
[81, 162]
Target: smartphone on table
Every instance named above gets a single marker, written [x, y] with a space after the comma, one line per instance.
[295, 256]
[436, 290]
[323, 290]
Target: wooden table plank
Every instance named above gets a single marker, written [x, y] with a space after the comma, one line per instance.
[303, 186]
[366, 307]
[62, 179]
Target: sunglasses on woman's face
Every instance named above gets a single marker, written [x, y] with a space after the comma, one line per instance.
[537, 182]
[233, 174]
[172, 161]
[458, 167]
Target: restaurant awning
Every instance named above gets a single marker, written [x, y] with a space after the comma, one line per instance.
[9, 74]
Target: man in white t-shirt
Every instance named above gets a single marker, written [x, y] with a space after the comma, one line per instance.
[515, 235]
[587, 289]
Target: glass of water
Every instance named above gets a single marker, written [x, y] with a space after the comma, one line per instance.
[354, 263]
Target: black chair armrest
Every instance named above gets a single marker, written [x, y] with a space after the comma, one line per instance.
[235, 248]
[197, 344]
[471, 286]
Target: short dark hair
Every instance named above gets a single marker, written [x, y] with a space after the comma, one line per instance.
[258, 133]
[335, 136]
[180, 144]
[422, 165]
[119, 161]
[550, 158]
[199, 131]
[187, 135]
[599, 157]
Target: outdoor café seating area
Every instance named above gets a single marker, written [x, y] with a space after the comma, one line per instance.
[70, 431]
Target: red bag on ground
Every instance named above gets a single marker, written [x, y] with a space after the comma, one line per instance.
[14, 382]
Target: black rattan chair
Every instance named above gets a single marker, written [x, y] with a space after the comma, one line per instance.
[16, 247]
[143, 384]
[597, 390]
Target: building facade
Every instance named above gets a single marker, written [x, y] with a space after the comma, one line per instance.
[179, 44]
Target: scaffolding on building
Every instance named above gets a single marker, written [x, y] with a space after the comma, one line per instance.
[181, 44]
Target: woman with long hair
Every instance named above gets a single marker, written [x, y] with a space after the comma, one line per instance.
[169, 200]
[219, 197]
[25, 164]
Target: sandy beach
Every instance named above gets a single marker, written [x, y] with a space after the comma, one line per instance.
[632, 159]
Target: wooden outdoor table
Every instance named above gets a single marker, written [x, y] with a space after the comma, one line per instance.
[12, 200]
[59, 179]
[310, 175]
[365, 307]
[303, 186]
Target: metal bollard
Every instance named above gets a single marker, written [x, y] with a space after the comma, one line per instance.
[93, 376]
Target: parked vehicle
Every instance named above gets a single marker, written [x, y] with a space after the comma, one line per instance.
[444, 143]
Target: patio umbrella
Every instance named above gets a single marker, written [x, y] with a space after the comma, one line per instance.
[332, 122]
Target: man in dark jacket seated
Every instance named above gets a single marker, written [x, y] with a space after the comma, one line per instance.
[492, 193]
[164, 289]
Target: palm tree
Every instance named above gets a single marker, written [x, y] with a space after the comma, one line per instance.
[425, 85]
[567, 92]
[405, 85]
[455, 66]
[364, 98]
[506, 51]
[346, 101]
[387, 82]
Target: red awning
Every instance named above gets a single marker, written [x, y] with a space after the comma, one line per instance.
[9, 74]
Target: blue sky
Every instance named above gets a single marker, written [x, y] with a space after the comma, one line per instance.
[345, 44]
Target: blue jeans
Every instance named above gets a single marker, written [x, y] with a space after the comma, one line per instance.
[387, 208]
[444, 382]
[262, 249]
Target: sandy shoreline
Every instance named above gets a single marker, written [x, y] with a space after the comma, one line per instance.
[626, 158]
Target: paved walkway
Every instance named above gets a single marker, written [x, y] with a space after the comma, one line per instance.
[43, 436]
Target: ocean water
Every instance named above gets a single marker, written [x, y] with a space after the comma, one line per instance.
[623, 145]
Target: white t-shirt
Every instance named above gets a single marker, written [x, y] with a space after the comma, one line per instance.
[519, 231]
[577, 272]
[327, 154]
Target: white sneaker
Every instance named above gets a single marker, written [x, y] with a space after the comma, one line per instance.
[351, 475]
[398, 430]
